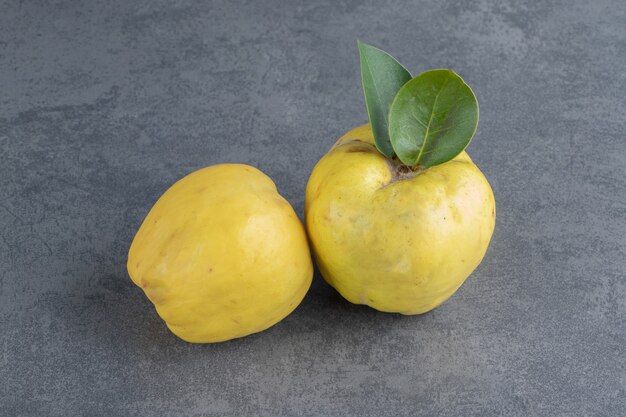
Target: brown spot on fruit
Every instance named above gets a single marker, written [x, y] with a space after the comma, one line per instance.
[357, 150]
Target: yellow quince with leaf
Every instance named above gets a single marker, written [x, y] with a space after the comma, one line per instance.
[397, 213]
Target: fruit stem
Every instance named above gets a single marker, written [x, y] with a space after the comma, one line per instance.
[400, 171]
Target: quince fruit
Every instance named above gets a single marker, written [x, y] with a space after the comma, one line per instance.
[396, 239]
[221, 255]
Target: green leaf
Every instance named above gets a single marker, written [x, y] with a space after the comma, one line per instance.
[381, 76]
[432, 118]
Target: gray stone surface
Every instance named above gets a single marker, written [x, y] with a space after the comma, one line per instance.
[103, 104]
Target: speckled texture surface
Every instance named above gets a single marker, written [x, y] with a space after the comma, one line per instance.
[103, 104]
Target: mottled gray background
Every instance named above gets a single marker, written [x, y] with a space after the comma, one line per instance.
[104, 104]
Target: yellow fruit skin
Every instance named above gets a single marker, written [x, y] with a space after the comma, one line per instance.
[393, 240]
[221, 255]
